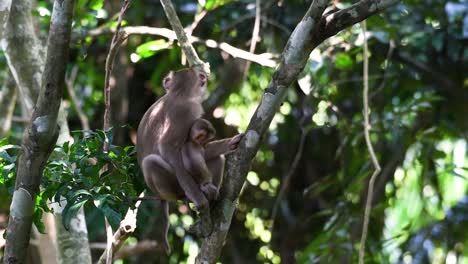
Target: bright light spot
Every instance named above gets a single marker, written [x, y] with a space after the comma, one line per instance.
[265, 236]
[428, 191]
[232, 119]
[407, 259]
[193, 249]
[451, 258]
[305, 84]
[264, 185]
[459, 151]
[252, 178]
[43, 11]
[445, 146]
[218, 112]
[134, 57]
[399, 175]
[173, 218]
[101, 13]
[180, 232]
[274, 182]
[285, 109]
[187, 220]
[210, 43]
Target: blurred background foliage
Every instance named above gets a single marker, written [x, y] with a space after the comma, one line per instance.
[419, 106]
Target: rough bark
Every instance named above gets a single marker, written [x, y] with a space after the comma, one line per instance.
[4, 13]
[7, 105]
[41, 134]
[23, 51]
[309, 33]
[72, 248]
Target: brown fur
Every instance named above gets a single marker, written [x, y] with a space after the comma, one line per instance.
[162, 134]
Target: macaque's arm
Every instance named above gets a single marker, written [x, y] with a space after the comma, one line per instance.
[222, 146]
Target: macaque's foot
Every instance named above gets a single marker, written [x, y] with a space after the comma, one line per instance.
[234, 142]
[210, 190]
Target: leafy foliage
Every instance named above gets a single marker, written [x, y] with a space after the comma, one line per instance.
[80, 174]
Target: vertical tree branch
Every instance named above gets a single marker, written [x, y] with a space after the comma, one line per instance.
[70, 82]
[7, 105]
[375, 162]
[255, 34]
[41, 134]
[117, 39]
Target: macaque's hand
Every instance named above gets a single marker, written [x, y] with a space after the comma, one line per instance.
[210, 190]
[234, 142]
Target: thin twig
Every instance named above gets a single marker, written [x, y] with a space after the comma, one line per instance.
[255, 34]
[375, 162]
[110, 241]
[126, 228]
[187, 48]
[189, 30]
[70, 81]
[288, 177]
[117, 39]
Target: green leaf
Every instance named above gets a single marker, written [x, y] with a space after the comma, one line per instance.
[150, 48]
[37, 220]
[113, 216]
[70, 211]
[343, 61]
[96, 4]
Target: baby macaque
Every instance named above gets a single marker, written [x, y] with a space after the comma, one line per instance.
[162, 134]
[193, 157]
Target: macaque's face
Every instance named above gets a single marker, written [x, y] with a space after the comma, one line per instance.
[202, 136]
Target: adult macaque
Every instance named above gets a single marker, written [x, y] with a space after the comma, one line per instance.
[163, 132]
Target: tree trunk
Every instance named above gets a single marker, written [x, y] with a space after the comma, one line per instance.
[41, 134]
[24, 59]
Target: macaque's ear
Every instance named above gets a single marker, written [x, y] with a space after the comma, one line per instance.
[167, 81]
[202, 77]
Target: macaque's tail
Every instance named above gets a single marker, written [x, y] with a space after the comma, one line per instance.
[165, 207]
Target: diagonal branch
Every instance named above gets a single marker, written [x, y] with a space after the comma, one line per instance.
[187, 48]
[310, 32]
[337, 21]
[293, 60]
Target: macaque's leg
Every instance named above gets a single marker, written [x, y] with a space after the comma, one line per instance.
[216, 166]
[196, 165]
[185, 181]
[159, 179]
